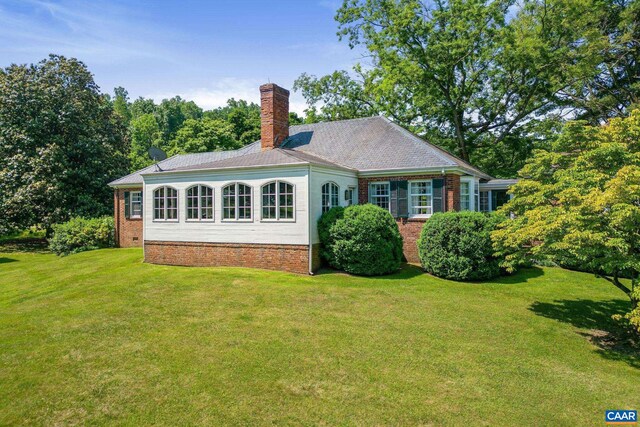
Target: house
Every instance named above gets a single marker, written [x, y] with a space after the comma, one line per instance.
[258, 206]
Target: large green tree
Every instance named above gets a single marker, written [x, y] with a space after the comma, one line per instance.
[60, 144]
[145, 133]
[474, 76]
[579, 204]
[199, 136]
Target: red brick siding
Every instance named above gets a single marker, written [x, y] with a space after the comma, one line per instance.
[316, 261]
[293, 258]
[274, 113]
[128, 231]
[410, 228]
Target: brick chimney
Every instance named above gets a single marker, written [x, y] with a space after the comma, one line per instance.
[274, 115]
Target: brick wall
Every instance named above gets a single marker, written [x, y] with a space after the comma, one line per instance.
[410, 227]
[293, 258]
[128, 231]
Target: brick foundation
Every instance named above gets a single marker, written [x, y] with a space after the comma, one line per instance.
[292, 258]
[128, 231]
[410, 228]
[316, 261]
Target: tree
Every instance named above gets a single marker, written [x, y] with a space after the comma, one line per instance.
[121, 104]
[243, 116]
[145, 133]
[471, 75]
[338, 96]
[60, 144]
[171, 114]
[198, 136]
[579, 202]
[142, 106]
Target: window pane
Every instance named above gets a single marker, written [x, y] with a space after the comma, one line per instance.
[420, 198]
[465, 196]
[269, 201]
[379, 194]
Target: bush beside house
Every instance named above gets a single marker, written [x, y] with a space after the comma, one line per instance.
[82, 234]
[457, 246]
[360, 239]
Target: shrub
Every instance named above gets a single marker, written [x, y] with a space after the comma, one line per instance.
[361, 239]
[82, 234]
[457, 246]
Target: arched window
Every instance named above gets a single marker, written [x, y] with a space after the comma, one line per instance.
[199, 203]
[278, 201]
[330, 197]
[165, 204]
[236, 202]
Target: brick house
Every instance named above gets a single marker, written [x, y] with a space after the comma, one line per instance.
[258, 206]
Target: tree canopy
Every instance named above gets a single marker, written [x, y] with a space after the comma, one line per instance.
[578, 203]
[481, 77]
[60, 144]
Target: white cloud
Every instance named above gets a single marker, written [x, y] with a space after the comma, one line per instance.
[217, 94]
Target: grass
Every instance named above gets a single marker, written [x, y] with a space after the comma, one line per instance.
[102, 338]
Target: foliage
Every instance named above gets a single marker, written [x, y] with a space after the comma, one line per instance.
[81, 234]
[479, 77]
[338, 95]
[243, 117]
[362, 239]
[60, 144]
[581, 199]
[145, 133]
[197, 136]
[326, 221]
[121, 104]
[457, 246]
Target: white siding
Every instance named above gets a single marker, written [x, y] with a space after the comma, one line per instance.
[320, 176]
[218, 231]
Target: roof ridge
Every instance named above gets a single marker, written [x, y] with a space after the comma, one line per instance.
[440, 151]
[335, 121]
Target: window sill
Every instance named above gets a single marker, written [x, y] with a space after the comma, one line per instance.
[199, 220]
[290, 221]
[231, 221]
[166, 220]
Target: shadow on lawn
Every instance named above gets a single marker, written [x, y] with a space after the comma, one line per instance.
[407, 271]
[36, 245]
[594, 318]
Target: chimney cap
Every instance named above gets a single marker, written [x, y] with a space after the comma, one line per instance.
[268, 87]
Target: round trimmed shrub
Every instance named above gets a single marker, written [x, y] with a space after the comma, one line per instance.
[457, 246]
[361, 239]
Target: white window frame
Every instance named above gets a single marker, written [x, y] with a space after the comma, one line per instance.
[351, 191]
[237, 205]
[468, 184]
[132, 203]
[278, 205]
[411, 195]
[330, 185]
[199, 208]
[165, 205]
[372, 196]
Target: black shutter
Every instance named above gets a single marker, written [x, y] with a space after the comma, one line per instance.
[393, 198]
[127, 204]
[403, 199]
[438, 195]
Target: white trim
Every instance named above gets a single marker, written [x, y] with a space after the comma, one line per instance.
[409, 195]
[165, 208]
[388, 196]
[277, 205]
[237, 206]
[331, 205]
[199, 208]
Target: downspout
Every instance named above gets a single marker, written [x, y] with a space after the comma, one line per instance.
[309, 216]
[117, 214]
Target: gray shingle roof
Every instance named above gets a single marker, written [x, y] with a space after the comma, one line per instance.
[367, 144]
[372, 143]
[273, 157]
[182, 160]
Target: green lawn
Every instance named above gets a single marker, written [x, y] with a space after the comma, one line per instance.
[101, 338]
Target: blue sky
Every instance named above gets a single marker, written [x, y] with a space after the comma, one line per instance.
[206, 51]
